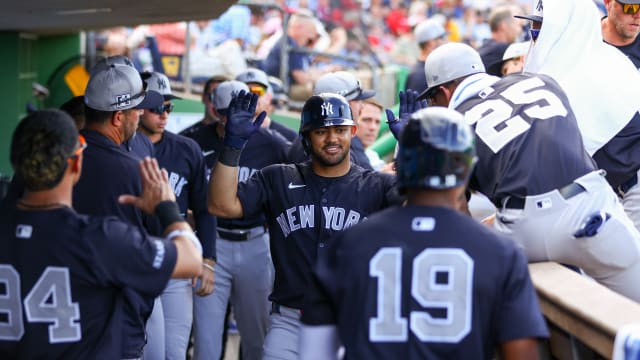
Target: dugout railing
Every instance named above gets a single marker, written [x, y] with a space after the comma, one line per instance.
[584, 316]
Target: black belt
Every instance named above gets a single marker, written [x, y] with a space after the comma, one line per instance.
[567, 192]
[241, 234]
[625, 186]
[275, 308]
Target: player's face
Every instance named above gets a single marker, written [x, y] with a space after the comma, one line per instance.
[512, 66]
[330, 145]
[626, 25]
[369, 124]
[264, 98]
[130, 120]
[153, 121]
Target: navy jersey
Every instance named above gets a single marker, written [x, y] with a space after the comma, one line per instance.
[108, 172]
[138, 145]
[262, 149]
[305, 211]
[423, 283]
[620, 157]
[183, 160]
[192, 129]
[632, 51]
[356, 153]
[527, 138]
[63, 276]
[416, 79]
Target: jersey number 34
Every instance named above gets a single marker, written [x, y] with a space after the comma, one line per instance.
[441, 280]
[49, 301]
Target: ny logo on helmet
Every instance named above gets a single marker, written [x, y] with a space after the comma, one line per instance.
[327, 109]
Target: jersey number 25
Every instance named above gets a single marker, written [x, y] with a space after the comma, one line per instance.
[49, 301]
[441, 279]
[496, 127]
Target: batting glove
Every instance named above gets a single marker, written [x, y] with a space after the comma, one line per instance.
[240, 124]
[409, 104]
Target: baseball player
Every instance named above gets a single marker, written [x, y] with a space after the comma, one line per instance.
[614, 144]
[244, 273]
[305, 204]
[114, 100]
[429, 282]
[169, 326]
[524, 124]
[63, 273]
[258, 83]
[209, 115]
[344, 84]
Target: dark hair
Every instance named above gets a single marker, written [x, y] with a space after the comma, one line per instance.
[93, 116]
[75, 107]
[41, 144]
[214, 79]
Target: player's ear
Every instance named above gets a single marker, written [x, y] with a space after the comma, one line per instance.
[117, 118]
[75, 167]
[354, 129]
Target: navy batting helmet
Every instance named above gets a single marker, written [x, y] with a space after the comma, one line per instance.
[436, 150]
[325, 109]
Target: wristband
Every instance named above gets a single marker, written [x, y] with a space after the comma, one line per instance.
[168, 212]
[189, 234]
[208, 266]
[230, 156]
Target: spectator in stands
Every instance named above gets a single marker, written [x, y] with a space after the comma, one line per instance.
[429, 34]
[505, 29]
[302, 33]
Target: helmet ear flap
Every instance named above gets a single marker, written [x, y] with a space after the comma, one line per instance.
[306, 145]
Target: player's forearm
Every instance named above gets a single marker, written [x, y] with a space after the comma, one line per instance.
[222, 199]
[520, 349]
[189, 256]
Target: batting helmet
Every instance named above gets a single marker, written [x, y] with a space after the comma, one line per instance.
[322, 110]
[436, 150]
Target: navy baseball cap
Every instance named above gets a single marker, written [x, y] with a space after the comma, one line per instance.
[119, 87]
[537, 12]
[342, 83]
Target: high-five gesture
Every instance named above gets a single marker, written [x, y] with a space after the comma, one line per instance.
[409, 104]
[240, 124]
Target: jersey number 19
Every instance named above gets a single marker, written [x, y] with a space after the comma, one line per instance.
[441, 279]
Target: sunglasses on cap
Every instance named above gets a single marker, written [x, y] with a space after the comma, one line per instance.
[257, 89]
[534, 34]
[629, 9]
[162, 108]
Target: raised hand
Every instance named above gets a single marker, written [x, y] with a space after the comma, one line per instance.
[409, 104]
[155, 187]
[240, 124]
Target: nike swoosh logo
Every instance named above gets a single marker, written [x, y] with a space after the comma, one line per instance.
[292, 186]
[207, 153]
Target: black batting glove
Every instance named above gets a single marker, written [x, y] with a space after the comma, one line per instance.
[409, 104]
[240, 124]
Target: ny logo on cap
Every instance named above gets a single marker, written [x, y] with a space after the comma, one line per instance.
[326, 109]
[539, 6]
[161, 84]
[123, 100]
[250, 75]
